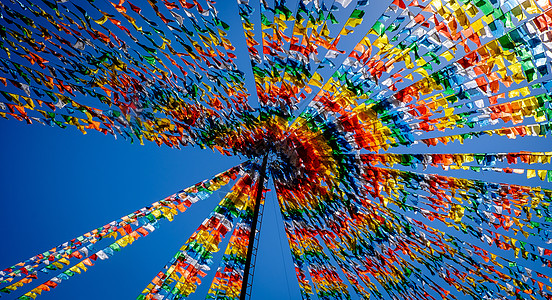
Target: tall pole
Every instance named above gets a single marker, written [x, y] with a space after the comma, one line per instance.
[260, 186]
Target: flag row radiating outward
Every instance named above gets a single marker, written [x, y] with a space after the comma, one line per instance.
[363, 114]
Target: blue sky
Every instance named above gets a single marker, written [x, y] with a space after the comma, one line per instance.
[58, 184]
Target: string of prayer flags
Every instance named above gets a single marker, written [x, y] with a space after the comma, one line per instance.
[181, 275]
[130, 227]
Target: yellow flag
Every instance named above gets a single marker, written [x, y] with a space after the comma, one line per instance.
[316, 80]
[542, 174]
[353, 22]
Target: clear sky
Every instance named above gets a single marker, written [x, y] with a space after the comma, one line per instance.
[58, 184]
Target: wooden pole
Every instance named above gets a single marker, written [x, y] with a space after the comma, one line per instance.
[260, 186]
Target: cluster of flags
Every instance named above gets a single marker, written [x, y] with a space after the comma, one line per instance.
[343, 98]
